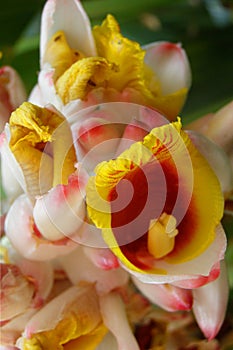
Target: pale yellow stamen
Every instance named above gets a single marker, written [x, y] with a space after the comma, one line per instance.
[161, 235]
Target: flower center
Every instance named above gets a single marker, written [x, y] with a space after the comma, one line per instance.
[161, 235]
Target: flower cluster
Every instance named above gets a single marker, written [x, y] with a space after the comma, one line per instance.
[111, 208]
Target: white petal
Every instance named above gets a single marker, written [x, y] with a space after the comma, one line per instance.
[85, 270]
[19, 229]
[35, 96]
[12, 176]
[72, 19]
[170, 65]
[115, 318]
[47, 92]
[210, 303]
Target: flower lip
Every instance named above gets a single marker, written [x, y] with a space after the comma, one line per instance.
[162, 173]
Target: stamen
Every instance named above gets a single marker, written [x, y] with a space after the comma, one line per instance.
[169, 221]
[161, 235]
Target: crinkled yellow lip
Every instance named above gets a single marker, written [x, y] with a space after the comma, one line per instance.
[148, 171]
[41, 142]
[119, 65]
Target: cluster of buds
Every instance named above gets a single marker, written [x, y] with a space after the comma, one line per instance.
[112, 234]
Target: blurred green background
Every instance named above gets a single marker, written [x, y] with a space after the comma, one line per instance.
[205, 29]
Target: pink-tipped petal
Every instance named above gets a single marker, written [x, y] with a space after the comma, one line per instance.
[170, 64]
[199, 281]
[166, 296]
[209, 304]
[102, 258]
[71, 18]
[20, 230]
[61, 212]
[115, 318]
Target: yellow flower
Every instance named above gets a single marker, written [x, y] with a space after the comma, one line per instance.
[159, 201]
[71, 320]
[41, 142]
[102, 65]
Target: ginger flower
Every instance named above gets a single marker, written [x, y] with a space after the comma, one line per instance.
[81, 66]
[159, 206]
[38, 147]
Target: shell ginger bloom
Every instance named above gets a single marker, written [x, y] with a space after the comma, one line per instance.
[83, 66]
[159, 204]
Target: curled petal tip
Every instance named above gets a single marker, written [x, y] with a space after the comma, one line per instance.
[60, 212]
[170, 63]
[102, 258]
[167, 296]
[210, 303]
[77, 27]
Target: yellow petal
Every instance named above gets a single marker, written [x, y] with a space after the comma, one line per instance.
[41, 142]
[82, 77]
[133, 73]
[89, 341]
[59, 54]
[126, 54]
